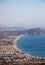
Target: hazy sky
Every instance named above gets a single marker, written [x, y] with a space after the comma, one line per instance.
[27, 13]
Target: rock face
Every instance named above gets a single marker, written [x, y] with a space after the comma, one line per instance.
[36, 31]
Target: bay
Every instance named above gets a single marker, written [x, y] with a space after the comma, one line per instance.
[32, 44]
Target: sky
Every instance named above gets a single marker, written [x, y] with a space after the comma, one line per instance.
[22, 13]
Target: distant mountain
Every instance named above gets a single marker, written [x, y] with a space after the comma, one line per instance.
[20, 30]
[36, 31]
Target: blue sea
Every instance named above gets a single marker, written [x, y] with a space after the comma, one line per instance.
[32, 44]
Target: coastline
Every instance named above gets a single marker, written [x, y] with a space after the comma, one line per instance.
[15, 41]
[12, 51]
[17, 38]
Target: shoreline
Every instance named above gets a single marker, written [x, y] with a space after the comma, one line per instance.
[15, 41]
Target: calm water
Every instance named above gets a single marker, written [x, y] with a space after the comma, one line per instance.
[34, 45]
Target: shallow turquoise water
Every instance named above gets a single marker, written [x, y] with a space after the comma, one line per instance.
[34, 45]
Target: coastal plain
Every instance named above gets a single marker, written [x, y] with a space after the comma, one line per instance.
[11, 55]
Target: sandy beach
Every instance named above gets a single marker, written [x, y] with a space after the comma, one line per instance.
[15, 41]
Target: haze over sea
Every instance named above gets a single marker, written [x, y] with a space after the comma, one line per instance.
[32, 44]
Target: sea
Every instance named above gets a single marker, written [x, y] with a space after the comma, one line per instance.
[32, 45]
